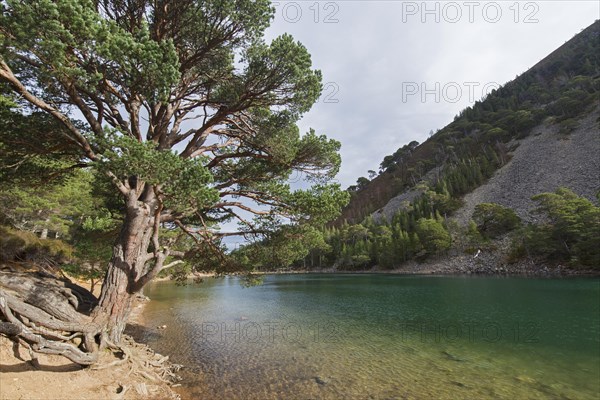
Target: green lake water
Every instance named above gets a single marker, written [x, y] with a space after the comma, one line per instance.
[328, 336]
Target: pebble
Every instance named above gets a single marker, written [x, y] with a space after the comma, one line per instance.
[320, 380]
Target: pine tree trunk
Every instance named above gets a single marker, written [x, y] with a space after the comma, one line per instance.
[115, 300]
[128, 263]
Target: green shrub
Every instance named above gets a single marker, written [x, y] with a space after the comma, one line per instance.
[573, 230]
[570, 231]
[16, 245]
[434, 237]
[493, 220]
[567, 126]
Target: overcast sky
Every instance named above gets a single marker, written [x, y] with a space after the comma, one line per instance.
[393, 70]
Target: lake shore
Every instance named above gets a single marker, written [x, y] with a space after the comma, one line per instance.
[486, 263]
[56, 377]
[367, 314]
[20, 379]
[458, 265]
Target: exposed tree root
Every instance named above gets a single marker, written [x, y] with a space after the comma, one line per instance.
[9, 329]
[143, 361]
[51, 315]
[43, 334]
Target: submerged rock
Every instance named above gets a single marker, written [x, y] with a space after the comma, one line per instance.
[452, 357]
[525, 379]
[320, 381]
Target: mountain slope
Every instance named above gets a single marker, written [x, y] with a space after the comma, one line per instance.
[429, 208]
[543, 162]
[555, 95]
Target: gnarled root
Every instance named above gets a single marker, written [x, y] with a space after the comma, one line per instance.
[49, 315]
[142, 361]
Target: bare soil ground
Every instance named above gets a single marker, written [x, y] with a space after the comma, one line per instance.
[55, 377]
[58, 378]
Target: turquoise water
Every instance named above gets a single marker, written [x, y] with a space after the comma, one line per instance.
[381, 337]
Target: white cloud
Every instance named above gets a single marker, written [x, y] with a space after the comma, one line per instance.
[370, 52]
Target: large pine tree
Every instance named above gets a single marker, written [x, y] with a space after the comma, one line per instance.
[189, 112]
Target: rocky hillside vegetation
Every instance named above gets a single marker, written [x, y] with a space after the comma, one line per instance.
[543, 162]
[518, 174]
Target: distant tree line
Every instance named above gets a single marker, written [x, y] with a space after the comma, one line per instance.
[568, 232]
